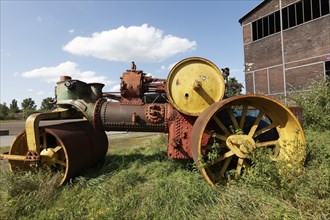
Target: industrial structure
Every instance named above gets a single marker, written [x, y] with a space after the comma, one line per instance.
[286, 46]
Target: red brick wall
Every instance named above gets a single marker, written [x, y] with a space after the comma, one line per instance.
[263, 53]
[308, 40]
[276, 82]
[261, 81]
[247, 36]
[249, 83]
[301, 77]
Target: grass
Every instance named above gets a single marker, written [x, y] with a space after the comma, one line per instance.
[140, 182]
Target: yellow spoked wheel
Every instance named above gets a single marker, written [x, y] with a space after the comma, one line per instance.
[65, 149]
[226, 134]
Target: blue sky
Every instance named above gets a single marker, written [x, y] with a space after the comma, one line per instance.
[95, 41]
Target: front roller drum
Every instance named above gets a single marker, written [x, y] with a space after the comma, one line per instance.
[66, 148]
[228, 132]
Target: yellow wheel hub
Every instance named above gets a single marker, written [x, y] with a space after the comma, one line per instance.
[241, 145]
[193, 84]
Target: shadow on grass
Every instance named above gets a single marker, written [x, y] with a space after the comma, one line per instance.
[112, 164]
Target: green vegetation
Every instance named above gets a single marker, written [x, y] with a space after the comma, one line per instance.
[316, 105]
[28, 107]
[142, 183]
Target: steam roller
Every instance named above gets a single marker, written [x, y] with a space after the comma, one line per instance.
[218, 133]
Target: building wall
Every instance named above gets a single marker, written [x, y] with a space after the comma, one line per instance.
[306, 48]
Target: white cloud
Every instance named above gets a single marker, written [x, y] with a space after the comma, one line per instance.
[39, 18]
[115, 88]
[30, 90]
[52, 74]
[40, 93]
[135, 43]
[71, 31]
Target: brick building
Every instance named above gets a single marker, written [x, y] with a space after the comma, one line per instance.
[286, 46]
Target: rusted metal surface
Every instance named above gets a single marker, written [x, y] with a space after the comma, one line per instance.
[81, 147]
[298, 112]
[134, 84]
[115, 116]
[179, 136]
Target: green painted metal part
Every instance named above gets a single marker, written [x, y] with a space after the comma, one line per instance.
[78, 94]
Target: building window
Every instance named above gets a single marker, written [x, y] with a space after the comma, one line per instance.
[292, 15]
[327, 68]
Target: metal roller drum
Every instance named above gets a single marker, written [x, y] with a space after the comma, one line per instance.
[67, 148]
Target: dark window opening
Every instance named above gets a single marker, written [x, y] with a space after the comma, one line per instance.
[307, 10]
[325, 7]
[265, 26]
[271, 24]
[292, 15]
[316, 8]
[327, 68]
[285, 18]
[254, 30]
[277, 21]
[299, 13]
[259, 26]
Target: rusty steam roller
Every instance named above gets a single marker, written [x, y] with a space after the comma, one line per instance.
[219, 134]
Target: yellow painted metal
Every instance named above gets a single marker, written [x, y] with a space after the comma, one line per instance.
[193, 84]
[13, 157]
[262, 122]
[32, 127]
[31, 135]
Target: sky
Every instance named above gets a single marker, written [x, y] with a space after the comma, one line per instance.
[96, 41]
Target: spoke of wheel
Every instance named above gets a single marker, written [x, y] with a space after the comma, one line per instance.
[243, 117]
[218, 136]
[44, 140]
[264, 130]
[56, 149]
[60, 162]
[225, 166]
[219, 123]
[221, 158]
[256, 124]
[266, 143]
[233, 119]
[239, 166]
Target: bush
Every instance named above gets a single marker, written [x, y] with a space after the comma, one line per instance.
[316, 105]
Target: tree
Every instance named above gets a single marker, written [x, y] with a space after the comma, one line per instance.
[233, 87]
[48, 104]
[3, 111]
[13, 106]
[28, 104]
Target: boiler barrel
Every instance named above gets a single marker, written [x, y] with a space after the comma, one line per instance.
[114, 116]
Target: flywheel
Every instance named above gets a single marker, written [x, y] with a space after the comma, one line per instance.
[193, 84]
[226, 134]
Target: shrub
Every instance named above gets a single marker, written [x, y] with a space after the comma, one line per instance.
[316, 105]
